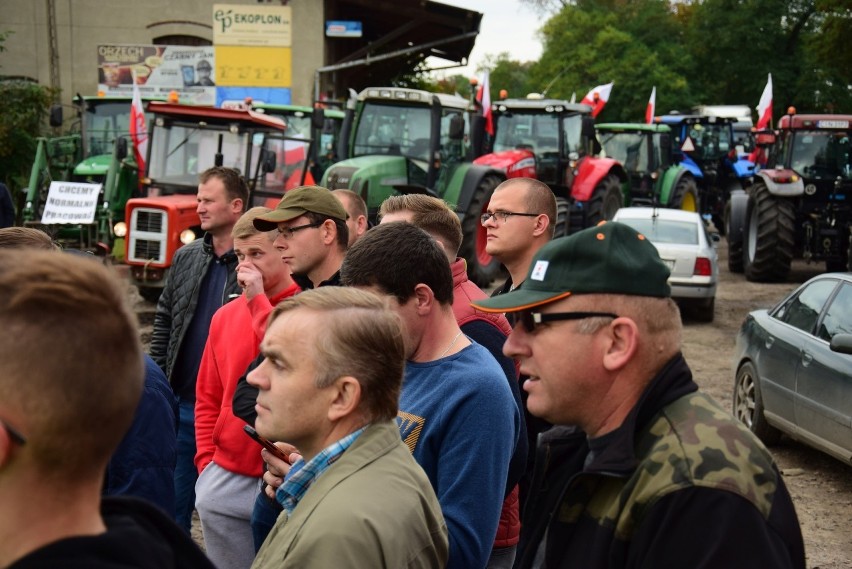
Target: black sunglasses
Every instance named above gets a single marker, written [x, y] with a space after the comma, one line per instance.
[14, 434]
[530, 319]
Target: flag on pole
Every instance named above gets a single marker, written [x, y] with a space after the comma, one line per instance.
[764, 107]
[652, 105]
[597, 98]
[138, 128]
[483, 97]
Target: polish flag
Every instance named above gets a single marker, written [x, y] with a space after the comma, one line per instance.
[764, 107]
[138, 129]
[597, 98]
[652, 105]
[483, 97]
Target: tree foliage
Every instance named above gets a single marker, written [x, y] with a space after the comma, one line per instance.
[697, 52]
[25, 106]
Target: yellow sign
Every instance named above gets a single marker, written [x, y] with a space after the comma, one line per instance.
[253, 66]
[252, 25]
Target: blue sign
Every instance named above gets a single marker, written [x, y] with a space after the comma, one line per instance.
[343, 29]
[233, 96]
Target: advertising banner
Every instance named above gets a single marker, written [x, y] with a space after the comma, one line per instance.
[254, 66]
[252, 25]
[158, 69]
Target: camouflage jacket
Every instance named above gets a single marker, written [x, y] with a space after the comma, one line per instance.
[680, 484]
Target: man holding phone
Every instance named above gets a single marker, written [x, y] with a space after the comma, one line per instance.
[330, 384]
[229, 465]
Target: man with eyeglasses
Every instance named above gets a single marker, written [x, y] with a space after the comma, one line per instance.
[647, 471]
[71, 377]
[312, 234]
[519, 220]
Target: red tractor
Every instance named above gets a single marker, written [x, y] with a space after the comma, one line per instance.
[554, 141]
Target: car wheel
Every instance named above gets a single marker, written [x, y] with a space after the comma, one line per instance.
[748, 405]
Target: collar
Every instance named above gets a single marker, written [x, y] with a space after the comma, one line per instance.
[207, 244]
[616, 455]
[302, 474]
[459, 270]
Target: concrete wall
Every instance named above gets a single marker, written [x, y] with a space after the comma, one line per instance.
[82, 25]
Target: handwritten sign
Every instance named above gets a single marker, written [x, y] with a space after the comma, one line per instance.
[69, 202]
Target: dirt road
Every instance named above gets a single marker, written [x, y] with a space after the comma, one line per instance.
[820, 485]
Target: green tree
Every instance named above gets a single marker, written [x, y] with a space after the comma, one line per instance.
[25, 106]
[508, 74]
[633, 43]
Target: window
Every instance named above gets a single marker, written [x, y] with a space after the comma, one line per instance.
[802, 310]
[838, 317]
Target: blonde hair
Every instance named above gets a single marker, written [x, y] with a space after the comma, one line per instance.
[244, 227]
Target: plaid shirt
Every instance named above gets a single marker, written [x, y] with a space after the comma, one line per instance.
[302, 474]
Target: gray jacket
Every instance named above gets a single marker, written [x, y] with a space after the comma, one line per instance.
[180, 296]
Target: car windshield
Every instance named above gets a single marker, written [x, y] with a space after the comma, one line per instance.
[665, 230]
[180, 152]
[396, 129]
[104, 121]
[822, 154]
[629, 148]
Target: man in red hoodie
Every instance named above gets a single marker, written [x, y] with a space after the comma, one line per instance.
[229, 464]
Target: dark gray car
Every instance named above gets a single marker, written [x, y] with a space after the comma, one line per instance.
[793, 367]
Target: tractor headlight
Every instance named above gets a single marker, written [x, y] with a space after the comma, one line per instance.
[187, 236]
[120, 229]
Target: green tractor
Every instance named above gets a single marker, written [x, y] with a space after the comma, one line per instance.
[96, 152]
[404, 141]
[653, 177]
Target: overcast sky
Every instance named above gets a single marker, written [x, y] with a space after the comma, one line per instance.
[507, 25]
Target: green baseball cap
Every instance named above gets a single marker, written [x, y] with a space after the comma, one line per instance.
[611, 258]
[299, 201]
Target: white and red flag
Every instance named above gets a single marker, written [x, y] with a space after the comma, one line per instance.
[764, 107]
[597, 98]
[483, 97]
[651, 108]
[138, 129]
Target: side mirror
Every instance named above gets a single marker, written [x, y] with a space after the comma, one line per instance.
[121, 148]
[665, 150]
[588, 128]
[456, 127]
[841, 343]
[317, 119]
[269, 161]
[56, 115]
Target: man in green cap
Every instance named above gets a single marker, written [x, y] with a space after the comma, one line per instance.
[312, 233]
[644, 471]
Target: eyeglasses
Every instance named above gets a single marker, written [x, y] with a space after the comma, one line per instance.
[14, 433]
[502, 216]
[529, 319]
[288, 232]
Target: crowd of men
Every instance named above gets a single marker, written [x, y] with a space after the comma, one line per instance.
[405, 418]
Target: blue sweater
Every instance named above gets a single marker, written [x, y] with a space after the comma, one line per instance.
[459, 419]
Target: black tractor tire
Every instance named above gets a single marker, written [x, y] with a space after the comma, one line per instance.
[735, 246]
[482, 268]
[685, 195]
[748, 405]
[605, 201]
[769, 238]
[563, 217]
[150, 293]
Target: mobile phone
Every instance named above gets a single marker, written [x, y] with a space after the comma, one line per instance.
[266, 443]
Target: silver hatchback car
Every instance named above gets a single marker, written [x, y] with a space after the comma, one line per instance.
[687, 248]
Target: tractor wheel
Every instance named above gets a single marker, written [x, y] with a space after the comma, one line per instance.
[605, 201]
[482, 268]
[685, 195]
[769, 240]
[563, 215]
[735, 246]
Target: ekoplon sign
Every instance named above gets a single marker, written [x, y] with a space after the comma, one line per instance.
[252, 25]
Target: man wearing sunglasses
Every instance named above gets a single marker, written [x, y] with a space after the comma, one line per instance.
[644, 471]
